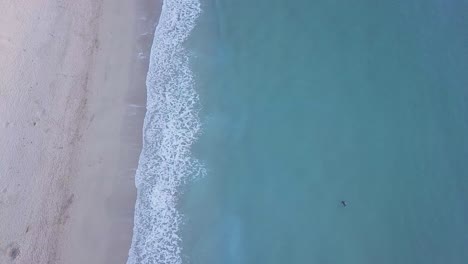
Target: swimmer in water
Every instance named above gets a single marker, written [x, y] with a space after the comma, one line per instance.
[344, 203]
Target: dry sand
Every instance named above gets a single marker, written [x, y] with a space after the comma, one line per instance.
[72, 99]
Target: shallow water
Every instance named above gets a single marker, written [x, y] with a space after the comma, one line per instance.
[308, 103]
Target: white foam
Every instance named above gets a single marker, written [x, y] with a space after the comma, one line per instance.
[171, 126]
[141, 55]
[136, 106]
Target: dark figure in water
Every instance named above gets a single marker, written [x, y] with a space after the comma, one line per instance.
[343, 203]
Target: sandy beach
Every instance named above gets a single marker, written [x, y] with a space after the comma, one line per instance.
[72, 101]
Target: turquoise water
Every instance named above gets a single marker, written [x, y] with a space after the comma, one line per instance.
[305, 104]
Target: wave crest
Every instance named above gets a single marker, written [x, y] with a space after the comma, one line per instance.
[171, 126]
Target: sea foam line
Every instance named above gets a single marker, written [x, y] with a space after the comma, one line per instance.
[171, 126]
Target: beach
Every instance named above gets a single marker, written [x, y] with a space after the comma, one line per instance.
[296, 132]
[72, 102]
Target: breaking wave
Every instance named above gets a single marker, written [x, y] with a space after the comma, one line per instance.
[171, 126]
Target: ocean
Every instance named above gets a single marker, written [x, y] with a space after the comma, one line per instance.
[305, 132]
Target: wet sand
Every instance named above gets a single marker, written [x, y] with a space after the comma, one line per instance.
[72, 99]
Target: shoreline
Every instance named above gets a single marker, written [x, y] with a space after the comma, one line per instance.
[171, 126]
[72, 103]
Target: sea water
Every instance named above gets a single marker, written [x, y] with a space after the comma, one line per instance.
[288, 108]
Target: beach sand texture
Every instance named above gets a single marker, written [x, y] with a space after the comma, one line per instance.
[72, 102]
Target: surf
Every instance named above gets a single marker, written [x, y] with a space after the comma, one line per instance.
[171, 126]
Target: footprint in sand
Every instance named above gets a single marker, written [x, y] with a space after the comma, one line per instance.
[63, 215]
[12, 251]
